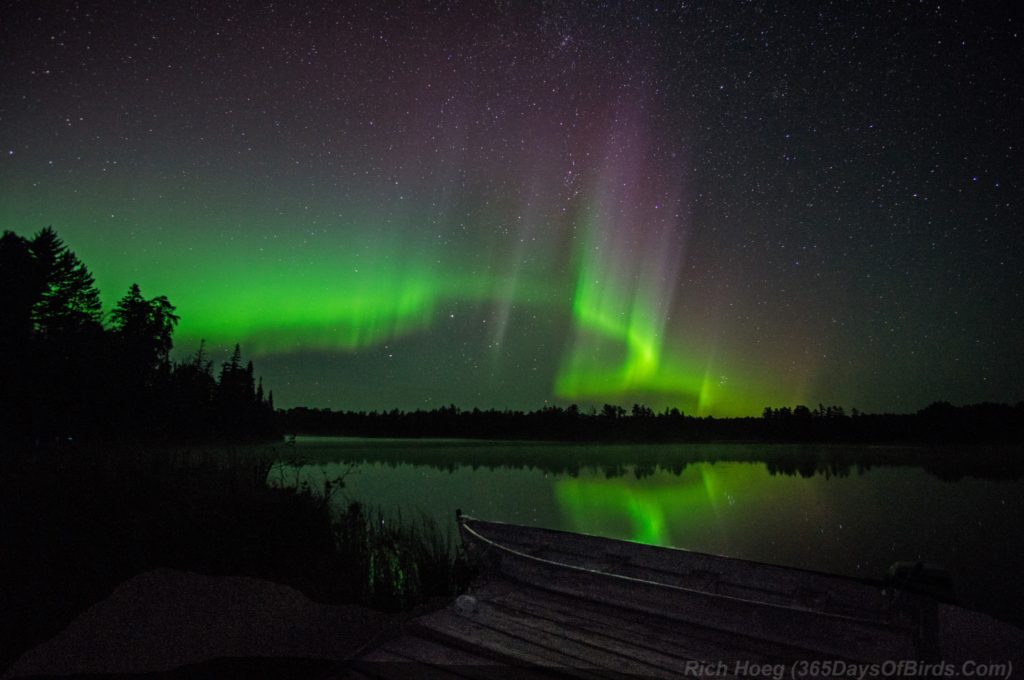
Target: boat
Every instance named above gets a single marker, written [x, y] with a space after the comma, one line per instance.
[549, 599]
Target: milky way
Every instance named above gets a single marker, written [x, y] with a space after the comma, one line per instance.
[715, 206]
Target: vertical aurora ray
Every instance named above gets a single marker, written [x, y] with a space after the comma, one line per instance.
[627, 261]
[620, 317]
[636, 336]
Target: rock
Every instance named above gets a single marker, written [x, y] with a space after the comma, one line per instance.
[164, 619]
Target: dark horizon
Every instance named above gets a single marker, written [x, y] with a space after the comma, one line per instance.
[939, 424]
[595, 408]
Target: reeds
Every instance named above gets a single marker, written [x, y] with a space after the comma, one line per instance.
[403, 562]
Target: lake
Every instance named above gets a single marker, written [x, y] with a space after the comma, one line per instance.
[849, 510]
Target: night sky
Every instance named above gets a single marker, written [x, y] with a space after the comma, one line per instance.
[717, 206]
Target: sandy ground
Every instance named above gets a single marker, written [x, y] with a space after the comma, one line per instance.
[165, 619]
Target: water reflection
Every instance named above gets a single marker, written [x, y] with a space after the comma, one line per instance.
[849, 511]
[597, 506]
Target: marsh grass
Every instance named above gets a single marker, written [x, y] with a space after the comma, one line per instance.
[404, 562]
[391, 561]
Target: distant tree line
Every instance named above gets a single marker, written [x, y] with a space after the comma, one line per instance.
[939, 423]
[639, 460]
[68, 372]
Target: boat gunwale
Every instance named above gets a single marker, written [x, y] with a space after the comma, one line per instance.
[859, 580]
[888, 625]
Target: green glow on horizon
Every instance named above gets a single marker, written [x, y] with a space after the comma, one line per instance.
[343, 305]
[326, 306]
[353, 288]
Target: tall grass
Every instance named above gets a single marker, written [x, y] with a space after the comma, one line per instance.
[404, 562]
[391, 562]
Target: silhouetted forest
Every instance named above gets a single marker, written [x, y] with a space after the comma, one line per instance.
[640, 460]
[939, 423]
[72, 373]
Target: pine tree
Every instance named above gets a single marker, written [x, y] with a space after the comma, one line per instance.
[70, 302]
[146, 327]
[230, 368]
[21, 287]
[249, 385]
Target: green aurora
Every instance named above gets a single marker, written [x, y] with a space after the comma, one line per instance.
[355, 288]
[393, 213]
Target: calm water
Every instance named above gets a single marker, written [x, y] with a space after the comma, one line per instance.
[848, 511]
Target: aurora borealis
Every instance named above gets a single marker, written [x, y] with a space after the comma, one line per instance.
[715, 206]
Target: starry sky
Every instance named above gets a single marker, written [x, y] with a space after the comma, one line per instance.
[711, 205]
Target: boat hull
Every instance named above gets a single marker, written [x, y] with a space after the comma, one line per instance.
[810, 614]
